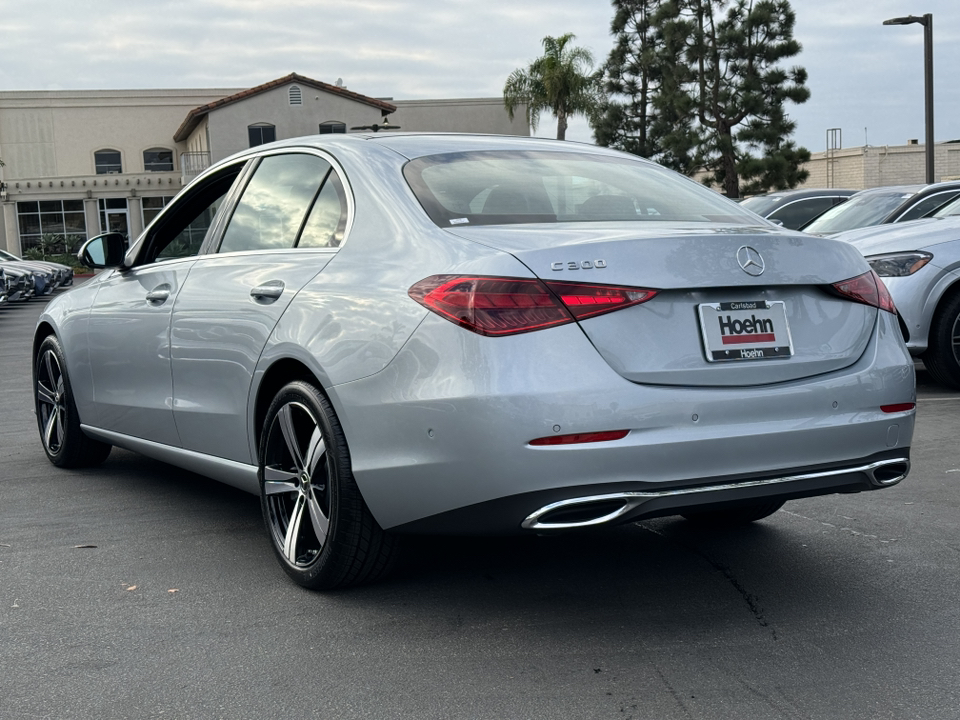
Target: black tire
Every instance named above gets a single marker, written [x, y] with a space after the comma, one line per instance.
[942, 358]
[736, 515]
[320, 528]
[63, 441]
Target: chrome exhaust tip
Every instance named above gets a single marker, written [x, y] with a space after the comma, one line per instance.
[888, 472]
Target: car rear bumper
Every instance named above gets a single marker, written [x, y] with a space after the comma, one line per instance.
[436, 432]
[589, 506]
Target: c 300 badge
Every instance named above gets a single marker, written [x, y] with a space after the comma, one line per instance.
[582, 265]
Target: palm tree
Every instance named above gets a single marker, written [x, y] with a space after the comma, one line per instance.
[560, 81]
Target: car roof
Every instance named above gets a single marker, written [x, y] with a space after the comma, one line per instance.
[414, 145]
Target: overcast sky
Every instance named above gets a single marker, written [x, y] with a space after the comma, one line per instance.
[862, 75]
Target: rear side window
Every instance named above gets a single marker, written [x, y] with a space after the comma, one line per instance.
[511, 187]
[274, 203]
[795, 214]
[328, 216]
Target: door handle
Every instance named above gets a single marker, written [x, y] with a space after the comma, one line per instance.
[159, 294]
[268, 291]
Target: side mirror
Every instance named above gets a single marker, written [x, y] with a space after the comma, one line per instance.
[103, 251]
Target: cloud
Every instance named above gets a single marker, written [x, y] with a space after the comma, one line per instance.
[860, 72]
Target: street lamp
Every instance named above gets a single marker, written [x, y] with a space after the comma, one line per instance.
[927, 22]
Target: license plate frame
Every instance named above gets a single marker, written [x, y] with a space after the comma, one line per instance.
[744, 330]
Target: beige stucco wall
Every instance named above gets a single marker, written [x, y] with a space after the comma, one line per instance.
[878, 166]
[228, 125]
[55, 133]
[472, 115]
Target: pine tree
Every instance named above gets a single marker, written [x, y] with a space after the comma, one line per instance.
[704, 77]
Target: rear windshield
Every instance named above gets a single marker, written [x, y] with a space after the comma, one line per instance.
[857, 212]
[512, 187]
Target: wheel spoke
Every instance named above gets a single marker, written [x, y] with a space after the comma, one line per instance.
[277, 481]
[45, 394]
[320, 521]
[315, 451]
[59, 427]
[285, 418]
[51, 424]
[49, 360]
[293, 529]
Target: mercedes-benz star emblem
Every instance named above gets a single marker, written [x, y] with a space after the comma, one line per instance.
[750, 260]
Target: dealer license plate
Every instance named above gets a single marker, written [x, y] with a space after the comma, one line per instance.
[745, 330]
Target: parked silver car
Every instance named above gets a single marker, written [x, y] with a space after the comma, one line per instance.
[390, 333]
[919, 262]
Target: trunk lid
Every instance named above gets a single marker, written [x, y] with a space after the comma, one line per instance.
[705, 296]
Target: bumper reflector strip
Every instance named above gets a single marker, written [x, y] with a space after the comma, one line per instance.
[579, 438]
[899, 407]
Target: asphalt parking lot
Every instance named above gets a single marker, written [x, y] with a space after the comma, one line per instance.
[138, 590]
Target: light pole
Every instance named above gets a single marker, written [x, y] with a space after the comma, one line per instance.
[927, 22]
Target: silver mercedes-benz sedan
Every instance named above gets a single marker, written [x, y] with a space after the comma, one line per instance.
[389, 333]
[920, 262]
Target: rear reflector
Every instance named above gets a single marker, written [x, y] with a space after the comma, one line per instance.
[867, 289]
[581, 438]
[899, 407]
[507, 306]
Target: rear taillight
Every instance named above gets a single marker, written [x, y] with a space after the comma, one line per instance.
[585, 301]
[507, 306]
[867, 289]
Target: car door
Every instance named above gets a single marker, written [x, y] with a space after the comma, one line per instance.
[286, 225]
[129, 326]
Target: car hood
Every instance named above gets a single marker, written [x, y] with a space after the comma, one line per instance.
[902, 237]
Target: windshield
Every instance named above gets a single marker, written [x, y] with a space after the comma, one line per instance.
[511, 187]
[951, 208]
[857, 212]
[4, 255]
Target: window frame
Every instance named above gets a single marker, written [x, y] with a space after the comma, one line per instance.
[333, 125]
[173, 159]
[248, 173]
[96, 166]
[260, 126]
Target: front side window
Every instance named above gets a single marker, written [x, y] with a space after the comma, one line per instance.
[57, 226]
[261, 134]
[158, 160]
[151, 206]
[928, 205]
[107, 162]
[181, 229]
[274, 203]
[511, 187]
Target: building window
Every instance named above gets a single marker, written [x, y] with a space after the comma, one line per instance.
[113, 215]
[332, 126]
[151, 207]
[296, 97]
[60, 224]
[158, 160]
[107, 162]
[261, 134]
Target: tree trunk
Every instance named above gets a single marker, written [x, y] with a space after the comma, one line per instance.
[561, 125]
[728, 161]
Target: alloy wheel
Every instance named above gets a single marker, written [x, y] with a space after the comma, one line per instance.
[51, 402]
[295, 485]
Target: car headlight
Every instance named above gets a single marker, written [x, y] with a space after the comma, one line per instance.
[899, 264]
